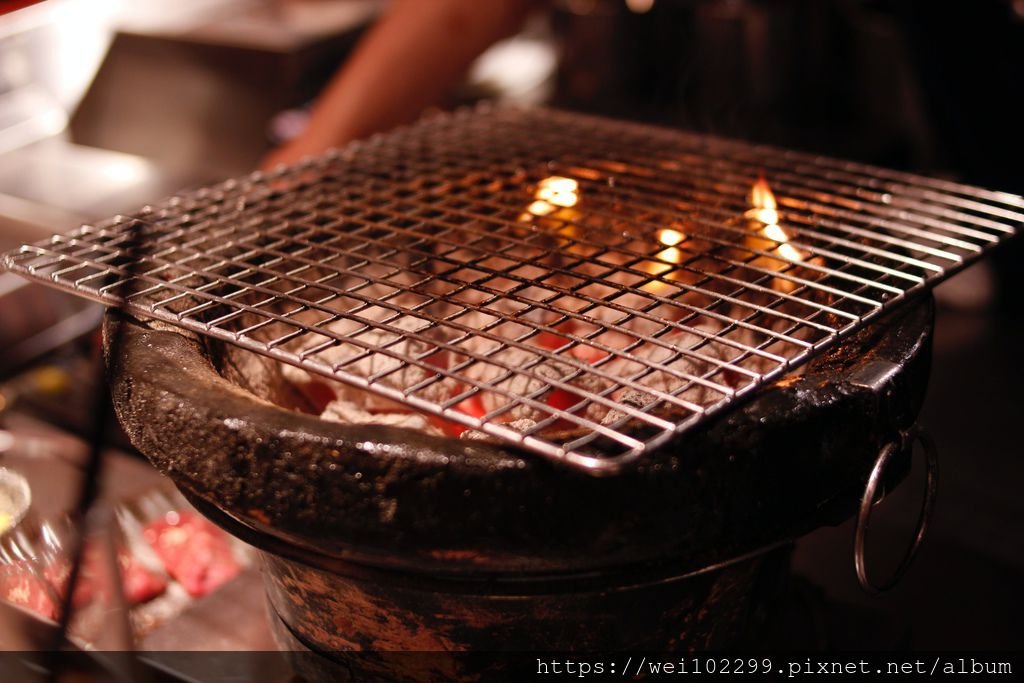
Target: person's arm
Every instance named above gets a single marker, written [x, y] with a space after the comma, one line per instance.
[414, 53]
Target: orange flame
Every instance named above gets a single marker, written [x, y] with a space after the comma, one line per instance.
[761, 195]
[769, 234]
[765, 211]
[552, 193]
[763, 200]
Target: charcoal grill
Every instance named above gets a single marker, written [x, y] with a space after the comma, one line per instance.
[600, 277]
[378, 538]
[474, 252]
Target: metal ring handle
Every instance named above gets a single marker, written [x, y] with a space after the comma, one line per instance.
[866, 502]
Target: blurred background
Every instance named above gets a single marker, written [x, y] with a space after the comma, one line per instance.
[106, 105]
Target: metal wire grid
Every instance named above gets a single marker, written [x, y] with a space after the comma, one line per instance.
[581, 287]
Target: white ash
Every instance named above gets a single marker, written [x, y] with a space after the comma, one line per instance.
[629, 397]
[702, 358]
[508, 374]
[533, 382]
[400, 374]
[350, 413]
[521, 426]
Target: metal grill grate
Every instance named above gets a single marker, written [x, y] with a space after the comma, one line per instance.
[581, 287]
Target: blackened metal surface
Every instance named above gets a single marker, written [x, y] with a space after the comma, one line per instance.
[334, 614]
[793, 458]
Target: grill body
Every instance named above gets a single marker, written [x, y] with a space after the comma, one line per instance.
[342, 617]
[380, 539]
[395, 499]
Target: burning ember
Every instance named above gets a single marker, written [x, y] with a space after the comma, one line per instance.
[525, 380]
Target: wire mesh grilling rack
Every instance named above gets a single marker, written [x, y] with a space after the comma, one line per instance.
[583, 288]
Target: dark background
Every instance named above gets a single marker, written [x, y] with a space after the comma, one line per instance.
[930, 87]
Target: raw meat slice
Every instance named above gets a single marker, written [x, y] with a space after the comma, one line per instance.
[195, 553]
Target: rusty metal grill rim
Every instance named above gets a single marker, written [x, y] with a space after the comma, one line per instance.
[859, 198]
